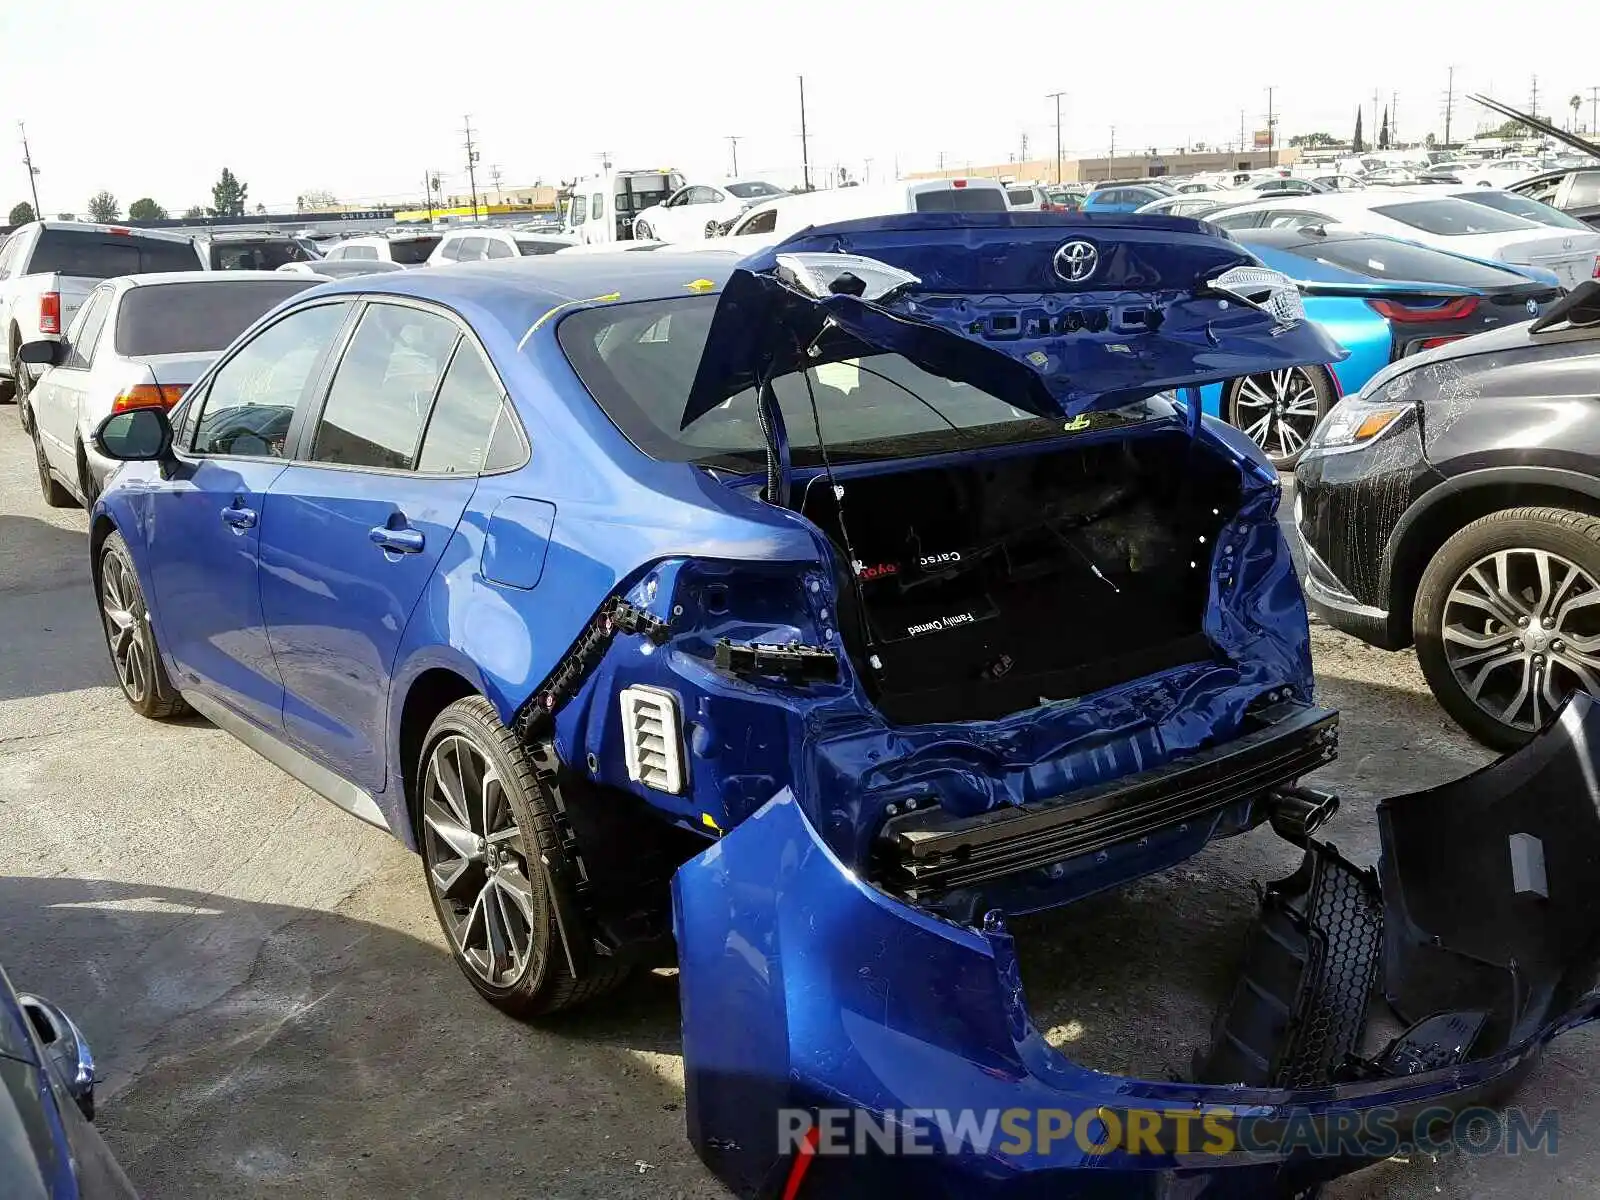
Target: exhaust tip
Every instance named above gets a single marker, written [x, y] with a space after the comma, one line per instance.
[1298, 812]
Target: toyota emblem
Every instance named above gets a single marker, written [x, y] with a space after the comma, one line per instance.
[1076, 261]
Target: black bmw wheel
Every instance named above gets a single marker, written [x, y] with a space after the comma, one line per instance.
[1277, 410]
[129, 638]
[486, 830]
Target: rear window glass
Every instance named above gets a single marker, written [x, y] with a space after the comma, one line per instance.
[1451, 217]
[265, 255]
[1020, 195]
[1526, 208]
[639, 361]
[412, 251]
[753, 191]
[989, 199]
[94, 255]
[539, 245]
[194, 318]
[1393, 259]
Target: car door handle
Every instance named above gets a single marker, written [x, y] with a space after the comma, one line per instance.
[399, 541]
[239, 518]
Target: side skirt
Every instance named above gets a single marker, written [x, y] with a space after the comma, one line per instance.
[286, 758]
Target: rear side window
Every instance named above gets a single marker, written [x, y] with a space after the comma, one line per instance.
[90, 254]
[383, 388]
[450, 249]
[1452, 218]
[1382, 258]
[194, 318]
[495, 248]
[412, 251]
[85, 332]
[968, 199]
[1526, 208]
[252, 397]
[464, 416]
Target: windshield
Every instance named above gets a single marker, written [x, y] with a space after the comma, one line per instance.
[1392, 259]
[639, 362]
[412, 251]
[1528, 210]
[753, 191]
[91, 254]
[1451, 218]
[953, 199]
[266, 255]
[195, 318]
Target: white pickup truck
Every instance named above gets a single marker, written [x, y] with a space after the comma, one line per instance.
[48, 268]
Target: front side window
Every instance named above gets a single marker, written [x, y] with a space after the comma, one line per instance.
[85, 331]
[464, 416]
[762, 222]
[247, 407]
[383, 388]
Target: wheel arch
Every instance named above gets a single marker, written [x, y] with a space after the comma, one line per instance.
[1458, 501]
[428, 693]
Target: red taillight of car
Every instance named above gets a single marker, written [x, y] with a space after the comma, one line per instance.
[1430, 343]
[50, 312]
[1597, 266]
[1451, 310]
[146, 395]
[958, 183]
[119, 231]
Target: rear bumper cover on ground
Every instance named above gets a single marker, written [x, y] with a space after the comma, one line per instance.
[820, 1012]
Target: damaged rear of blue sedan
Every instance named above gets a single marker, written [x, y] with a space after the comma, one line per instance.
[848, 602]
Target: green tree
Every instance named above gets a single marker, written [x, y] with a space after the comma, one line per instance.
[193, 212]
[146, 209]
[1509, 129]
[1430, 141]
[1383, 130]
[228, 195]
[66, 216]
[1575, 103]
[103, 206]
[1357, 144]
[316, 198]
[21, 214]
[1312, 140]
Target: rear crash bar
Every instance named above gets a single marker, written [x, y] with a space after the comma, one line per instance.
[927, 851]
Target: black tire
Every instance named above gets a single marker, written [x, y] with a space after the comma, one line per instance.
[545, 983]
[55, 495]
[1573, 537]
[86, 484]
[713, 229]
[1286, 430]
[641, 231]
[21, 387]
[115, 577]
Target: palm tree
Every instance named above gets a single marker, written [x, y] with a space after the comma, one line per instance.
[1575, 104]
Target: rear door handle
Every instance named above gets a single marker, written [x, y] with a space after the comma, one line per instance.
[239, 518]
[399, 541]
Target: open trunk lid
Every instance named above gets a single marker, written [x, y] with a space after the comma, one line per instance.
[1057, 316]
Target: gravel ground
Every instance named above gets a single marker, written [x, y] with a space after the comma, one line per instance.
[276, 1014]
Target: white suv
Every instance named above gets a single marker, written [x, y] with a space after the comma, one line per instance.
[408, 249]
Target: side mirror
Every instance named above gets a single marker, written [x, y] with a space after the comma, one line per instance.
[137, 435]
[42, 353]
[66, 1049]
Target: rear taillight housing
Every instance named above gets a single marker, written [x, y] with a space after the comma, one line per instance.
[50, 312]
[1597, 266]
[147, 395]
[1451, 310]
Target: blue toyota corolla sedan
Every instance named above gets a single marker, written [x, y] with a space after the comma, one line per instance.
[1381, 299]
[801, 620]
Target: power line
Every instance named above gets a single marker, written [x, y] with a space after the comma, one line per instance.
[1056, 96]
[472, 166]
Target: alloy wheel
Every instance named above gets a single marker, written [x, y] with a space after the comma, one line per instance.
[1521, 633]
[1278, 410]
[20, 388]
[129, 653]
[641, 232]
[477, 862]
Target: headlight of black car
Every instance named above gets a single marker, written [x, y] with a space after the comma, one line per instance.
[1356, 422]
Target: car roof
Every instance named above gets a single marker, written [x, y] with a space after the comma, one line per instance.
[164, 235]
[246, 235]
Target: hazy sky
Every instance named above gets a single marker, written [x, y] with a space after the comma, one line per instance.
[361, 98]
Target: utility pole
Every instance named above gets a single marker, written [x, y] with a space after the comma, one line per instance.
[1056, 96]
[1111, 161]
[868, 172]
[1271, 128]
[805, 149]
[733, 141]
[1394, 118]
[427, 191]
[1241, 131]
[27, 161]
[472, 166]
[1375, 126]
[494, 174]
[1533, 100]
[1594, 110]
[941, 162]
[1449, 104]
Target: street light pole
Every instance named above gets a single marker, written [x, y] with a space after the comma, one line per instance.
[1056, 96]
[27, 161]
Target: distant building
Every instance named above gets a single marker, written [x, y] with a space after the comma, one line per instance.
[1124, 166]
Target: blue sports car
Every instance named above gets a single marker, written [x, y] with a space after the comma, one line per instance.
[1379, 298]
[801, 620]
